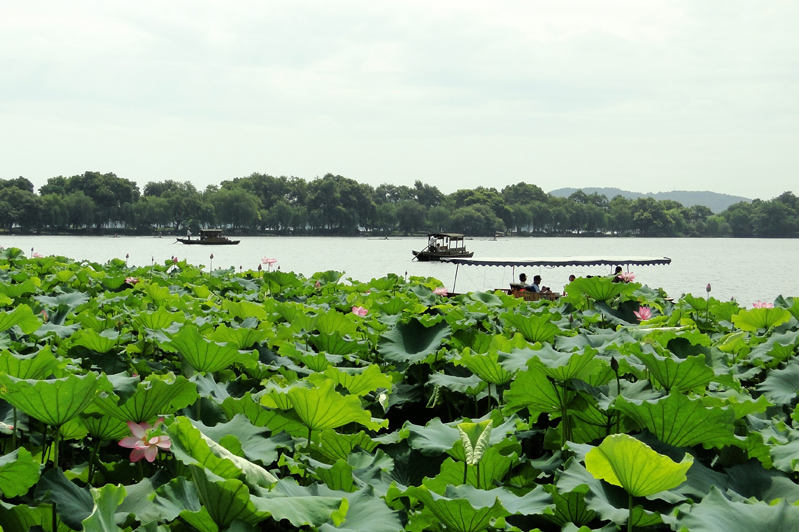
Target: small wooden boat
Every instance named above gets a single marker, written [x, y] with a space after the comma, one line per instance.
[209, 237]
[443, 246]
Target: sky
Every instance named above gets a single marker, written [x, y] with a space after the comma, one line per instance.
[646, 96]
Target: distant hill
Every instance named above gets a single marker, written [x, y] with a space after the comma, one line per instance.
[712, 200]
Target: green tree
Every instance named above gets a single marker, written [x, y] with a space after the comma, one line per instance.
[19, 207]
[411, 216]
[236, 207]
[439, 218]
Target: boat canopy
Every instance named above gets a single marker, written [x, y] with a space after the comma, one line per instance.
[554, 262]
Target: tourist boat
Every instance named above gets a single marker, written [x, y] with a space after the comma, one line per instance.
[443, 246]
[553, 262]
[209, 237]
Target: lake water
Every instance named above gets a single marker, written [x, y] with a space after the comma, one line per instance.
[745, 269]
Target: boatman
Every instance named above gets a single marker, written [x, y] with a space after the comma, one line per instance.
[188, 234]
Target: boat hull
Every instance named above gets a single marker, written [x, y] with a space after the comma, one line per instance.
[208, 242]
[433, 256]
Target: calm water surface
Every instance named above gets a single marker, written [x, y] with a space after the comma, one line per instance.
[745, 269]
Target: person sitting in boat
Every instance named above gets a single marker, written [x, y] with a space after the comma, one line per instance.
[523, 281]
[536, 286]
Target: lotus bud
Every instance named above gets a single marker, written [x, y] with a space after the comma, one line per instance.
[707, 289]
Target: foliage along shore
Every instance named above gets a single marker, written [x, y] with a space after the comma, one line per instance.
[335, 205]
[163, 398]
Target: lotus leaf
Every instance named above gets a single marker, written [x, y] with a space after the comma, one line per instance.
[533, 328]
[623, 461]
[682, 422]
[760, 318]
[336, 344]
[715, 512]
[303, 506]
[486, 367]
[23, 317]
[192, 447]
[359, 381]
[35, 366]
[18, 473]
[73, 503]
[53, 401]
[600, 288]
[204, 355]
[412, 341]
[780, 385]
[682, 376]
[365, 513]
[106, 501]
[324, 408]
[240, 338]
[156, 395]
[563, 366]
[244, 309]
[457, 513]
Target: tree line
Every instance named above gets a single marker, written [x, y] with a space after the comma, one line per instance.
[94, 202]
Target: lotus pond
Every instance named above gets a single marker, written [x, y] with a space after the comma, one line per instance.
[166, 399]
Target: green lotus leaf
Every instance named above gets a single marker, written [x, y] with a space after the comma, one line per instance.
[194, 448]
[608, 501]
[23, 317]
[623, 461]
[679, 375]
[155, 293]
[570, 506]
[475, 438]
[243, 438]
[98, 342]
[715, 512]
[53, 401]
[333, 321]
[412, 341]
[240, 338]
[244, 309]
[742, 403]
[262, 417]
[336, 477]
[156, 395]
[780, 384]
[106, 501]
[494, 466]
[24, 518]
[204, 355]
[532, 390]
[296, 315]
[103, 427]
[15, 290]
[365, 513]
[777, 349]
[755, 319]
[18, 473]
[534, 328]
[323, 408]
[334, 446]
[359, 381]
[35, 366]
[225, 500]
[302, 506]
[278, 281]
[682, 422]
[161, 318]
[433, 439]
[472, 385]
[563, 366]
[486, 366]
[395, 305]
[73, 503]
[336, 344]
[458, 513]
[600, 288]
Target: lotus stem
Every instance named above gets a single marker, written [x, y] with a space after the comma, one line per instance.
[56, 442]
[630, 517]
[14, 430]
[95, 450]
[465, 471]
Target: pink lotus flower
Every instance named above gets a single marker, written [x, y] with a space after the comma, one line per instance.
[146, 440]
[37, 255]
[643, 313]
[318, 285]
[626, 276]
[45, 316]
[268, 261]
[359, 311]
[762, 304]
[131, 280]
[174, 260]
[440, 291]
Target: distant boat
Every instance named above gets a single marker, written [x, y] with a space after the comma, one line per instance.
[209, 237]
[443, 246]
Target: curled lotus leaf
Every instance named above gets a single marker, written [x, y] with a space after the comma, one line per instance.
[412, 341]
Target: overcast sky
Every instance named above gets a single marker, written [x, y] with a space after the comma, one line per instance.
[643, 95]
